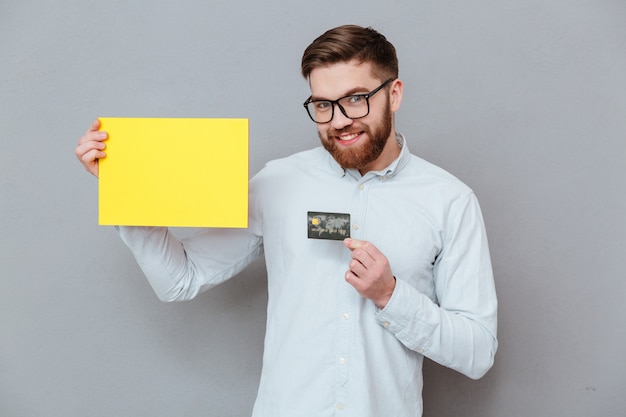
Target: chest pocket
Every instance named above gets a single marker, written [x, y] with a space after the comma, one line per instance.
[412, 254]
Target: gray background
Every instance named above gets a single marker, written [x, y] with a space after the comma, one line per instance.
[523, 100]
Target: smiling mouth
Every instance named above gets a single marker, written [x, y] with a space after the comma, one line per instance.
[348, 137]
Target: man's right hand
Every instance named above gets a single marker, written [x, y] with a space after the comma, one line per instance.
[90, 147]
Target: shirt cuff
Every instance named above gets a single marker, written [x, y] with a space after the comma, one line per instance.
[405, 315]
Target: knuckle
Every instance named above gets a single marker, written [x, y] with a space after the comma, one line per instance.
[88, 157]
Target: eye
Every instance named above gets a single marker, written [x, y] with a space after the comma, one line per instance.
[356, 99]
[322, 105]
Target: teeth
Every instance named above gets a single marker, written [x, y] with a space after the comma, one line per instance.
[349, 137]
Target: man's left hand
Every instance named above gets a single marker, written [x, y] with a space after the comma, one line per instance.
[369, 272]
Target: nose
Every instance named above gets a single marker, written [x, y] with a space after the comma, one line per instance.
[340, 120]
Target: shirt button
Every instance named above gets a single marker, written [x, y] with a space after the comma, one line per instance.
[386, 324]
[384, 178]
[342, 361]
[355, 227]
[340, 406]
[346, 316]
[420, 350]
[361, 187]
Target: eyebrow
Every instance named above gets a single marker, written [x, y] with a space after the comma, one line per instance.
[355, 90]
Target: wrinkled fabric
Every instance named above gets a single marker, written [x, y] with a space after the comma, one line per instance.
[328, 351]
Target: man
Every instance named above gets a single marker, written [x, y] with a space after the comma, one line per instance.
[348, 321]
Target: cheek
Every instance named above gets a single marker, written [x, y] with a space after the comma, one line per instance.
[322, 131]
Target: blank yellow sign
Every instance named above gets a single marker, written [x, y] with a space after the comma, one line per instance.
[174, 172]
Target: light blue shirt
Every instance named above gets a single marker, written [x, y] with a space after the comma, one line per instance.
[328, 351]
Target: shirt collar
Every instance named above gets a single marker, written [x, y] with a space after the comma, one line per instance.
[388, 172]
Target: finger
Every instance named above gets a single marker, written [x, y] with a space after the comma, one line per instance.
[92, 156]
[357, 248]
[357, 268]
[353, 244]
[90, 148]
[93, 133]
[90, 161]
[363, 258]
[363, 245]
[353, 279]
[356, 244]
[95, 125]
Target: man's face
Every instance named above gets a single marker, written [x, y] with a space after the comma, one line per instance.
[357, 143]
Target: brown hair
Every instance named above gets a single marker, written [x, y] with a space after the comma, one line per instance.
[351, 42]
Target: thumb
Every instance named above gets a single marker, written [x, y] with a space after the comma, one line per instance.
[352, 243]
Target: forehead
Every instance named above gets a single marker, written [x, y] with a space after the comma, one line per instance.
[343, 78]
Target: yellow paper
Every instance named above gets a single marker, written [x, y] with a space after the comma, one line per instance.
[174, 172]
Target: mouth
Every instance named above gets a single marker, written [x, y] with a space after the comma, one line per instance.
[348, 139]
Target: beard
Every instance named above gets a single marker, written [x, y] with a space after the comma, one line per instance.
[357, 157]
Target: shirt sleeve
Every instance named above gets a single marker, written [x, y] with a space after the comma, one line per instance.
[459, 329]
[179, 270]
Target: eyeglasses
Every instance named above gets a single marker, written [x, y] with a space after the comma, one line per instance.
[353, 106]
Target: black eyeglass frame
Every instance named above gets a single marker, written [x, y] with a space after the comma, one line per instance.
[366, 96]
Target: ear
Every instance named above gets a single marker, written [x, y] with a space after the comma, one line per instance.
[395, 95]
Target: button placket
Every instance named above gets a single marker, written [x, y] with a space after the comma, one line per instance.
[359, 204]
[348, 297]
[345, 339]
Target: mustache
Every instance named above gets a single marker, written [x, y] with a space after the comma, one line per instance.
[346, 130]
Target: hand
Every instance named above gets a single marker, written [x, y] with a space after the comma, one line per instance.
[369, 272]
[90, 147]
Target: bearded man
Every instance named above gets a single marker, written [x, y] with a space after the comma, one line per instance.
[349, 321]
